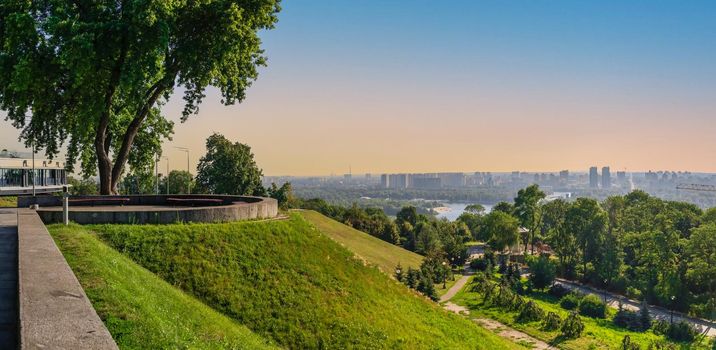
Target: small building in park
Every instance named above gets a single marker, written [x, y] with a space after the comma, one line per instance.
[18, 176]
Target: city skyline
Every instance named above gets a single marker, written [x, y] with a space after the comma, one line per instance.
[427, 87]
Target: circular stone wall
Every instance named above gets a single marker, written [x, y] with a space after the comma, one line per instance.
[153, 209]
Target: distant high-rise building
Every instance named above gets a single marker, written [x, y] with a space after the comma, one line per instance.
[621, 176]
[564, 176]
[384, 181]
[452, 179]
[426, 182]
[593, 177]
[398, 181]
[606, 178]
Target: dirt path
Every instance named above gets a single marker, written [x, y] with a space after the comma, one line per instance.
[512, 334]
[495, 326]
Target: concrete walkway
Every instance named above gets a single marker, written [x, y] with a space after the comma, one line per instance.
[8, 278]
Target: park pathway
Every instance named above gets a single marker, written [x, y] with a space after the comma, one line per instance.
[613, 300]
[492, 325]
[8, 279]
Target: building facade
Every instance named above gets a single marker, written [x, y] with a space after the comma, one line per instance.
[593, 177]
[17, 176]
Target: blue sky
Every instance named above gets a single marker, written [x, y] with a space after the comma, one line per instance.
[389, 86]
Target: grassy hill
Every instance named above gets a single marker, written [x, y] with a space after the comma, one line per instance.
[374, 250]
[289, 283]
[8, 202]
[141, 310]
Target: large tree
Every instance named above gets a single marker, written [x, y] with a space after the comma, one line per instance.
[94, 74]
[229, 168]
[528, 211]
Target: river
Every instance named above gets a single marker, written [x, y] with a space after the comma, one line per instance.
[452, 211]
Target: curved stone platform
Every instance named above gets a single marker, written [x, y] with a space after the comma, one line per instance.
[153, 209]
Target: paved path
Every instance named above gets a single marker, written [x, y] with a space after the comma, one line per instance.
[455, 288]
[613, 300]
[8, 278]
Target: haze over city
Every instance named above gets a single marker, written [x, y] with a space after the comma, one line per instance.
[462, 86]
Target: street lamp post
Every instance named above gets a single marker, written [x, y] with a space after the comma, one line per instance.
[188, 185]
[167, 158]
[444, 275]
[605, 291]
[156, 178]
[671, 318]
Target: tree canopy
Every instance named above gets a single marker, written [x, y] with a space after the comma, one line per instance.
[229, 168]
[94, 74]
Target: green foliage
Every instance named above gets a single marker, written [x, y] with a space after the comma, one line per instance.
[82, 187]
[140, 310]
[139, 182]
[229, 168]
[542, 272]
[288, 282]
[502, 230]
[570, 301]
[551, 322]
[572, 327]
[592, 306]
[529, 212]
[283, 194]
[631, 320]
[8, 202]
[95, 75]
[480, 264]
[681, 332]
[530, 312]
[178, 182]
[627, 344]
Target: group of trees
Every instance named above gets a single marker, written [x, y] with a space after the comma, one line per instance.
[93, 75]
[416, 232]
[636, 244]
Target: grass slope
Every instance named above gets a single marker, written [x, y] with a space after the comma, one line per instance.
[287, 282]
[374, 250]
[8, 202]
[598, 333]
[140, 310]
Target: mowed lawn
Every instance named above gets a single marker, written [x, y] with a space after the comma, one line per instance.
[373, 250]
[288, 282]
[140, 310]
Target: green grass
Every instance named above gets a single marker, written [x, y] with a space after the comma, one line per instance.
[140, 310]
[8, 202]
[289, 283]
[374, 250]
[598, 333]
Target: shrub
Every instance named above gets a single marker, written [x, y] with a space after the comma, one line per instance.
[570, 301]
[542, 272]
[681, 332]
[660, 327]
[628, 345]
[630, 320]
[592, 306]
[558, 290]
[572, 327]
[661, 345]
[530, 312]
[551, 322]
[479, 264]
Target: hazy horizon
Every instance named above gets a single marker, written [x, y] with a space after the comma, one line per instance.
[404, 87]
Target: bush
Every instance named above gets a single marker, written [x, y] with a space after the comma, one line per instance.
[628, 345]
[570, 301]
[592, 306]
[660, 327]
[630, 320]
[681, 332]
[530, 312]
[542, 272]
[551, 322]
[661, 345]
[558, 291]
[572, 326]
[479, 264]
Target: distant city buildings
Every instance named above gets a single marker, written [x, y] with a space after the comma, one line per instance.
[593, 177]
[606, 178]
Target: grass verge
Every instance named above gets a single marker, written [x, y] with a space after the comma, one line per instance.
[141, 310]
[290, 283]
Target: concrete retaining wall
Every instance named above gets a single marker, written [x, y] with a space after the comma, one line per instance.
[53, 308]
[154, 210]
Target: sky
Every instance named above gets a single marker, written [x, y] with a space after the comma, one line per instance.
[468, 85]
